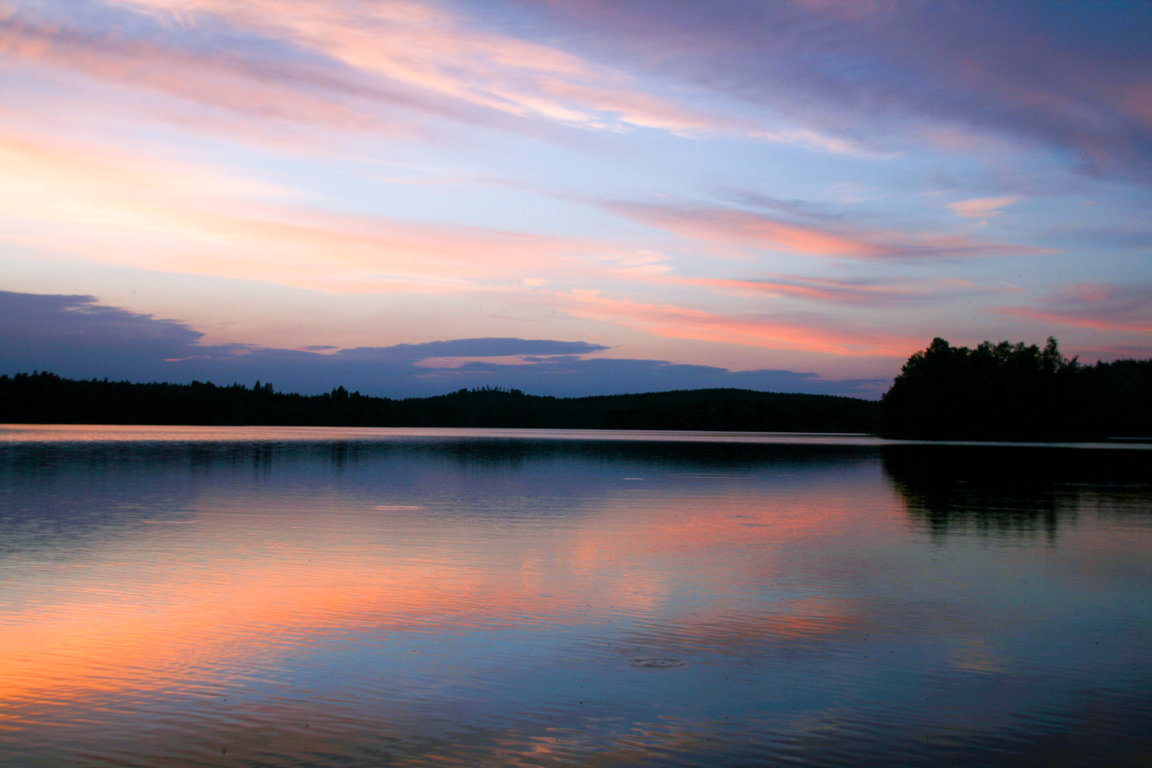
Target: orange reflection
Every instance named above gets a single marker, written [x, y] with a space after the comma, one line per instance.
[252, 595]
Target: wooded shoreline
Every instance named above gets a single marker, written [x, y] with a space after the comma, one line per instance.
[1005, 392]
[44, 398]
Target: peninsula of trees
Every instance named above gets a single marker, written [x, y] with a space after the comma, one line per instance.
[1016, 392]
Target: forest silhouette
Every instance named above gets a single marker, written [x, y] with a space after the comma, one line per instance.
[45, 398]
[1011, 391]
[999, 391]
[1008, 491]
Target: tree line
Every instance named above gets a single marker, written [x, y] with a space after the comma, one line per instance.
[1011, 391]
[994, 391]
[46, 398]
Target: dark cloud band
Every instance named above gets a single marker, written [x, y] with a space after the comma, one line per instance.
[75, 337]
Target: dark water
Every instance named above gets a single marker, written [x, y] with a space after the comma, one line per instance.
[337, 598]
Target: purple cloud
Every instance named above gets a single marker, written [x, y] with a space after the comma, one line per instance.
[1098, 306]
[808, 236]
[75, 337]
[1073, 77]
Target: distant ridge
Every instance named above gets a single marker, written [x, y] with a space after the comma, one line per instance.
[45, 398]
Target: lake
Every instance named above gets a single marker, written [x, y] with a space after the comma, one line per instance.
[337, 597]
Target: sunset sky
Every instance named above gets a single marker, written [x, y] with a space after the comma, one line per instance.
[568, 196]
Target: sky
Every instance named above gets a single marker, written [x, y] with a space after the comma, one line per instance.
[569, 197]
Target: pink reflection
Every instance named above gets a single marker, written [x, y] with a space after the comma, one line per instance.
[244, 595]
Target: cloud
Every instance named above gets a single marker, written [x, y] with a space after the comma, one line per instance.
[857, 293]
[1098, 306]
[76, 337]
[1108, 352]
[223, 75]
[1071, 80]
[349, 66]
[1110, 238]
[848, 9]
[73, 334]
[385, 69]
[569, 376]
[862, 77]
[768, 332]
[471, 348]
[981, 208]
[132, 209]
[823, 237]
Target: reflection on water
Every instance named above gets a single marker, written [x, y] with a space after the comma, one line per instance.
[1007, 491]
[469, 599]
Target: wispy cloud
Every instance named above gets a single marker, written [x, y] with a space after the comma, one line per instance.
[755, 331]
[78, 337]
[855, 293]
[981, 208]
[298, 143]
[1098, 306]
[139, 211]
[353, 66]
[431, 50]
[808, 238]
[1071, 80]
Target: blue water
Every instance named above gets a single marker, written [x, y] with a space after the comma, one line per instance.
[291, 597]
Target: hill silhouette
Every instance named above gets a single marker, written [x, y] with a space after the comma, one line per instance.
[1000, 391]
[45, 398]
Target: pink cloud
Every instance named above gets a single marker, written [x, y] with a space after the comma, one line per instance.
[280, 91]
[770, 333]
[881, 72]
[354, 66]
[1107, 352]
[843, 292]
[981, 208]
[378, 69]
[735, 227]
[136, 210]
[1098, 306]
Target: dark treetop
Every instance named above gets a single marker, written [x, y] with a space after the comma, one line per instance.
[1016, 392]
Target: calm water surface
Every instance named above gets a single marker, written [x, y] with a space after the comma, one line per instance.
[315, 597]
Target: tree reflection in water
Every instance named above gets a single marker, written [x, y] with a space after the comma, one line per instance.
[1012, 491]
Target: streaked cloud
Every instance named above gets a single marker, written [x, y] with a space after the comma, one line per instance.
[981, 208]
[859, 293]
[483, 348]
[75, 336]
[808, 238]
[765, 331]
[697, 182]
[354, 66]
[1073, 80]
[132, 209]
[1098, 306]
